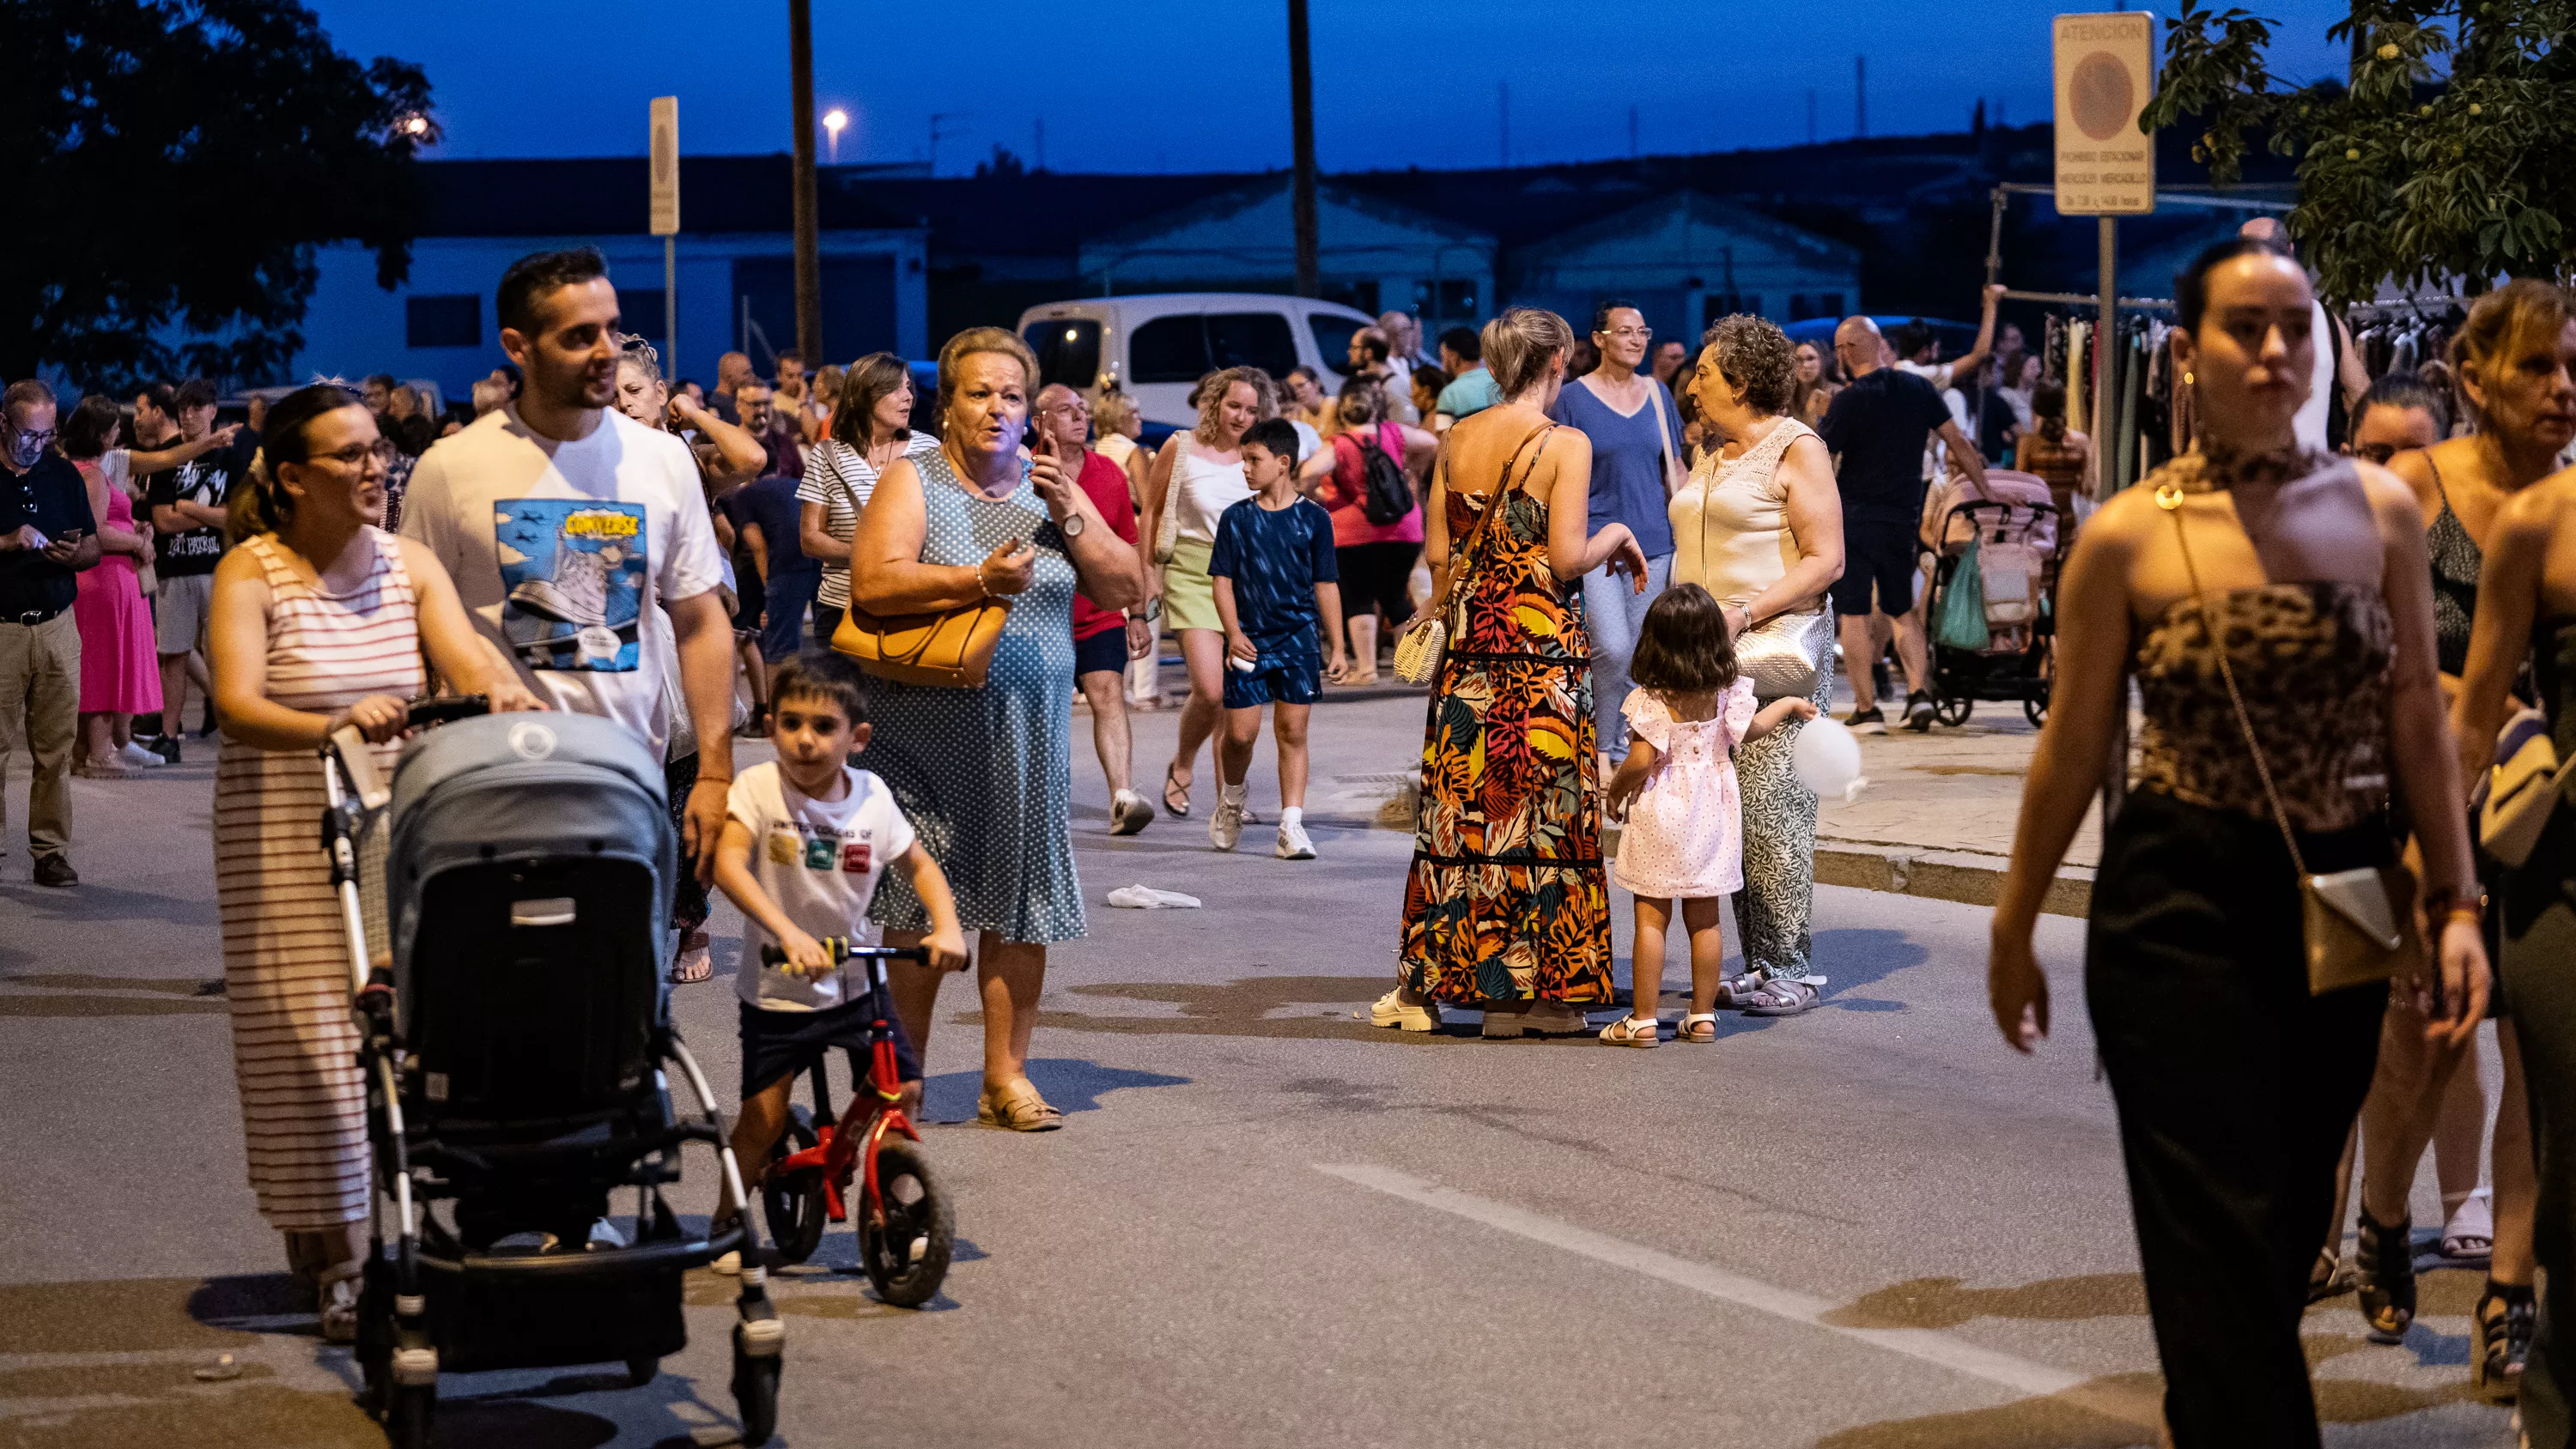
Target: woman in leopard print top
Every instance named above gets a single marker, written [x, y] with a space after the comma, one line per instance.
[2235, 1086]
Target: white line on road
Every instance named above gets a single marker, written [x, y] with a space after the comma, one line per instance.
[2020, 1375]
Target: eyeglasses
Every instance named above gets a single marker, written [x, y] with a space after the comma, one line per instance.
[1625, 334]
[356, 454]
[43, 437]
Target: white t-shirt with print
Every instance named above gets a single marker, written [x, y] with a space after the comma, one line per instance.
[561, 552]
[820, 861]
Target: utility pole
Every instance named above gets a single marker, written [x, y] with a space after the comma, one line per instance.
[809, 263]
[1860, 96]
[1301, 120]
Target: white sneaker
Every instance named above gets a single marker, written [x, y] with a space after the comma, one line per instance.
[1225, 827]
[140, 758]
[1294, 843]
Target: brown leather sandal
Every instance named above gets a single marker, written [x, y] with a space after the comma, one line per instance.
[1017, 1107]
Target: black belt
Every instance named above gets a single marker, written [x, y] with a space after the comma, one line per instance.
[30, 618]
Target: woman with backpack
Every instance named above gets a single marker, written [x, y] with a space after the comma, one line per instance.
[1370, 481]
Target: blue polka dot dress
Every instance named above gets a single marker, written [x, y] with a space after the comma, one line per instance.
[986, 775]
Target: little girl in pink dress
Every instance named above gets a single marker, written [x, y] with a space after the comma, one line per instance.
[1683, 839]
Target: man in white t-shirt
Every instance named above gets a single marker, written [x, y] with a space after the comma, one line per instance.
[572, 531]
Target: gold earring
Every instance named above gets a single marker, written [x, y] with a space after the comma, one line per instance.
[2188, 380]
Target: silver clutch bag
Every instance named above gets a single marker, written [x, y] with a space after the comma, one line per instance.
[1786, 654]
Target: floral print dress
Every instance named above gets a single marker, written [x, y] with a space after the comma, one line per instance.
[1507, 898]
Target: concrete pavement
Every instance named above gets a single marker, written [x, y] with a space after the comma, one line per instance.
[1872, 1227]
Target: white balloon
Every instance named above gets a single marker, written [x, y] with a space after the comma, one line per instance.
[1826, 758]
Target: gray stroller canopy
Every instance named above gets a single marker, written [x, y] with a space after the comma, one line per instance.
[525, 787]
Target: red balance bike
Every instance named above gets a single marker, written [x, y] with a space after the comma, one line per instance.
[906, 1224]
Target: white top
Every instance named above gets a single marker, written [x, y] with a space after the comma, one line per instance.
[2310, 423]
[562, 551]
[820, 860]
[1203, 489]
[1731, 521]
[1309, 441]
[839, 478]
[117, 466]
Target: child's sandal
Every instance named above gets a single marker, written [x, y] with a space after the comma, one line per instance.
[1628, 1031]
[1698, 1026]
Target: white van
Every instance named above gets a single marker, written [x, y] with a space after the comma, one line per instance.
[1156, 345]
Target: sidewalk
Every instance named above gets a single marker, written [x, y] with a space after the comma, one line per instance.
[1935, 820]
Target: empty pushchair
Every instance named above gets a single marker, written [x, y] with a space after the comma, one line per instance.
[1992, 612]
[518, 1049]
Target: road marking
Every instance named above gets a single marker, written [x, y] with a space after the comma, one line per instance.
[1931, 1346]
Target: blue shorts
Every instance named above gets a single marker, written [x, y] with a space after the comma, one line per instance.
[1276, 679]
[1102, 653]
[779, 1044]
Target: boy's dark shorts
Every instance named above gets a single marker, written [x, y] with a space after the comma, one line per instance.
[778, 1044]
[1277, 679]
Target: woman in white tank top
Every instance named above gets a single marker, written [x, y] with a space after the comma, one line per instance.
[1198, 476]
[1760, 526]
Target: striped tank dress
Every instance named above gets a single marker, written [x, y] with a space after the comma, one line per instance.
[286, 963]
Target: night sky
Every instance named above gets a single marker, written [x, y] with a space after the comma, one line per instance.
[1154, 85]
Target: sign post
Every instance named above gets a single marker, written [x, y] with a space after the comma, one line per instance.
[2106, 167]
[666, 223]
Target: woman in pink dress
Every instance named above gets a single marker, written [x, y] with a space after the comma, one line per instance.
[1376, 559]
[119, 677]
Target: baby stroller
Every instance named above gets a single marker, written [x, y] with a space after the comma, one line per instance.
[1992, 614]
[516, 1046]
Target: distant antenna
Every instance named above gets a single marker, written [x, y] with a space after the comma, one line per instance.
[1860, 95]
[1632, 133]
[1503, 112]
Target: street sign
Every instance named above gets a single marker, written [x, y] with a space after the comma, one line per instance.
[666, 165]
[2106, 71]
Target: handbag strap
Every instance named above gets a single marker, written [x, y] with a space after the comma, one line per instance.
[1493, 510]
[1665, 462]
[2169, 498]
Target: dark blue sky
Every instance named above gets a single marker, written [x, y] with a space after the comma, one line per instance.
[1154, 85]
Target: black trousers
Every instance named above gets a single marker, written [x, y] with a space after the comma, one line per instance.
[2235, 1090]
[2535, 906]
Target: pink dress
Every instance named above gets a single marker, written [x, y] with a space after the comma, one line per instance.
[1685, 833]
[119, 673]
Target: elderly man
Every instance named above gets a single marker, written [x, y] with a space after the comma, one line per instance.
[47, 534]
[733, 372]
[1876, 430]
[1104, 640]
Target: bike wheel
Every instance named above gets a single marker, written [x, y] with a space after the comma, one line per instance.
[794, 1200]
[1952, 709]
[907, 1259]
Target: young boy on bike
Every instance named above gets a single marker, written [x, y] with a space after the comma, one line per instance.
[805, 840]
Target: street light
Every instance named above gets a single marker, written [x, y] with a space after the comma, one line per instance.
[833, 120]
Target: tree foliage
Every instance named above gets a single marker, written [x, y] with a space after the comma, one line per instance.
[2451, 154]
[173, 163]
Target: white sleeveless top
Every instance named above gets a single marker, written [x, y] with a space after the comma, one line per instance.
[1203, 488]
[1731, 522]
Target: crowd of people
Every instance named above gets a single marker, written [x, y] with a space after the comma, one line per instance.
[1644, 555]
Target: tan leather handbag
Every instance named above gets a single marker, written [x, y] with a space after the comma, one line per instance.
[951, 649]
[2358, 925]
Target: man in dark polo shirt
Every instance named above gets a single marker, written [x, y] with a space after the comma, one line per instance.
[1876, 429]
[46, 536]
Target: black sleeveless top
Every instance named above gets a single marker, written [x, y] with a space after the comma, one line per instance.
[2456, 560]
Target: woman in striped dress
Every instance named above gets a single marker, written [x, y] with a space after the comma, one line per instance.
[319, 621]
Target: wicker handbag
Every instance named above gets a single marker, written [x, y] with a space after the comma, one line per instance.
[1420, 648]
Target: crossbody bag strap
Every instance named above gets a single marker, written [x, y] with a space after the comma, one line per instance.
[1493, 510]
[2169, 498]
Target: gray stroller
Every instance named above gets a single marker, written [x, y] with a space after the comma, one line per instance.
[516, 1046]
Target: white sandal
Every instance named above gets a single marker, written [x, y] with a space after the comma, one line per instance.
[1390, 1010]
[1629, 1031]
[339, 1302]
[1692, 1024]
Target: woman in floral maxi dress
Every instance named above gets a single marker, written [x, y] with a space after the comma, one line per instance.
[1506, 907]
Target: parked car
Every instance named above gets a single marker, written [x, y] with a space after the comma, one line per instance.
[1156, 345]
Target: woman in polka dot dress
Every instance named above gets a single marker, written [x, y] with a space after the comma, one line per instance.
[1684, 834]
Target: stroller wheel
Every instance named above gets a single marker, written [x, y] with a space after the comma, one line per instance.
[642, 1369]
[794, 1200]
[755, 1392]
[908, 1258]
[409, 1410]
[1952, 709]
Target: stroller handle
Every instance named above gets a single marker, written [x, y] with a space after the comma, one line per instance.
[443, 709]
[842, 950]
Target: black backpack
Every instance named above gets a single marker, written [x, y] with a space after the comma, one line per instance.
[1390, 495]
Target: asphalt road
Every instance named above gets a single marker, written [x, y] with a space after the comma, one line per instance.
[1265, 1223]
